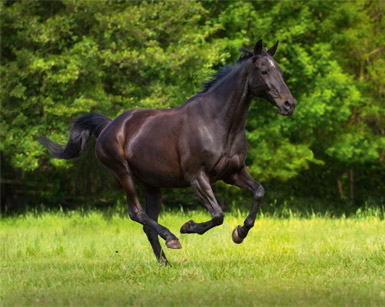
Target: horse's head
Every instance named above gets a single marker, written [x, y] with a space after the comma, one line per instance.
[266, 79]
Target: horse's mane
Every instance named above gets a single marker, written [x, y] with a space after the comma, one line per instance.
[224, 71]
[215, 77]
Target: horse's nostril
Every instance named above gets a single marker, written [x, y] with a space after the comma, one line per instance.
[287, 104]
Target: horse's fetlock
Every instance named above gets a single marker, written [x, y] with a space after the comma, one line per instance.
[249, 222]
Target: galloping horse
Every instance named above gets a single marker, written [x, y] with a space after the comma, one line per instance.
[196, 144]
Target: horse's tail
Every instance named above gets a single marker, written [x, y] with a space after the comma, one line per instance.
[83, 127]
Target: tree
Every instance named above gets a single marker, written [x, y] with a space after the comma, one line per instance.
[61, 59]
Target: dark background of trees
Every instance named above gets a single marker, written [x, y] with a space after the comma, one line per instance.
[61, 59]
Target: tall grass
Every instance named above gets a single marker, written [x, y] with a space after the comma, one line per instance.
[92, 258]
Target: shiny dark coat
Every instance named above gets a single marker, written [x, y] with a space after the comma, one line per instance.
[194, 145]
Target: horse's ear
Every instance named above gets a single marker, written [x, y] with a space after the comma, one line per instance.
[273, 49]
[258, 48]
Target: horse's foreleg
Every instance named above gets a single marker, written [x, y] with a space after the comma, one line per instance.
[153, 205]
[243, 180]
[202, 187]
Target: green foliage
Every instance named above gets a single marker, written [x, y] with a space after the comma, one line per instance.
[61, 59]
[93, 57]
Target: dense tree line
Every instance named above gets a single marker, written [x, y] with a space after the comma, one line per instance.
[61, 59]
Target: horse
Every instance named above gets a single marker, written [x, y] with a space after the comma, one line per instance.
[196, 144]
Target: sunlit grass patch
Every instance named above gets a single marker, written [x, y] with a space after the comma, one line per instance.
[92, 259]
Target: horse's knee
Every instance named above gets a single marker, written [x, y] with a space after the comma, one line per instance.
[260, 192]
[218, 218]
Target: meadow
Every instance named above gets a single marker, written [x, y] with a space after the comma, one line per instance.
[77, 258]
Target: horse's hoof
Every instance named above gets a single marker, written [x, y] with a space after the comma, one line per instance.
[164, 262]
[186, 227]
[236, 238]
[174, 244]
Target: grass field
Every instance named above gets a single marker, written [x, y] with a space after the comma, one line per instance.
[75, 259]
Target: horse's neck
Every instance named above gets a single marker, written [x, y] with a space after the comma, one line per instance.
[229, 101]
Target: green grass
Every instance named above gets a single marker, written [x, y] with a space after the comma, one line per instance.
[70, 259]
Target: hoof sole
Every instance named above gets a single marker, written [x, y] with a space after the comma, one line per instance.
[236, 238]
[174, 244]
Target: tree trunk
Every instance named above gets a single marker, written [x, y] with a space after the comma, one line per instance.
[340, 190]
[351, 185]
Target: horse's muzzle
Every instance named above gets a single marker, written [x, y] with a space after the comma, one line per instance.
[287, 107]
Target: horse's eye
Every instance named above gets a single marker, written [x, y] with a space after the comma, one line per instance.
[264, 72]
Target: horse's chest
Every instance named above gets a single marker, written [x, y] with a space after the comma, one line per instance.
[226, 166]
[232, 159]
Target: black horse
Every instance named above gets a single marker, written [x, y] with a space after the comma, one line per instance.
[196, 144]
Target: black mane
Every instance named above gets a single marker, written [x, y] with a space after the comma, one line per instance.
[215, 77]
[225, 70]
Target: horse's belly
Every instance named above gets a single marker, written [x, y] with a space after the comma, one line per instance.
[156, 165]
[157, 175]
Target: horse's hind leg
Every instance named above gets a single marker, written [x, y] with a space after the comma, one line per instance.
[122, 171]
[137, 214]
[153, 205]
